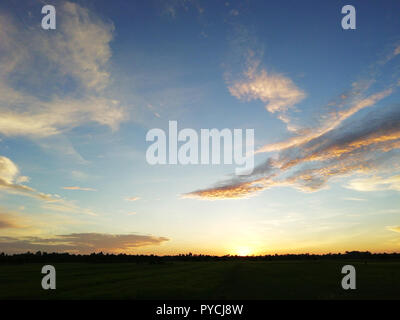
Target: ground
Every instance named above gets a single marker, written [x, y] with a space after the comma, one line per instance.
[203, 280]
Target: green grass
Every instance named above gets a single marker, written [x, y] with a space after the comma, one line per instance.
[203, 280]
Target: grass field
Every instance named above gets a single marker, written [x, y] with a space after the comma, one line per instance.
[203, 280]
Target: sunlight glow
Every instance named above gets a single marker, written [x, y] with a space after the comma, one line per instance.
[243, 251]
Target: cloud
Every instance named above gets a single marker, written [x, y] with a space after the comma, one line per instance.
[7, 222]
[277, 91]
[10, 181]
[46, 118]
[354, 199]
[362, 146]
[132, 198]
[82, 243]
[228, 191]
[375, 184]
[395, 229]
[63, 205]
[8, 170]
[79, 188]
[341, 143]
[379, 130]
[252, 81]
[172, 7]
[334, 119]
[56, 81]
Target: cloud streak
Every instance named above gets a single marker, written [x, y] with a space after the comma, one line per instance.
[335, 118]
[79, 188]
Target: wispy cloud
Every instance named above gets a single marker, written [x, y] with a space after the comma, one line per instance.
[276, 90]
[333, 120]
[79, 188]
[354, 199]
[80, 243]
[359, 147]
[375, 183]
[172, 7]
[340, 143]
[78, 52]
[132, 198]
[63, 205]
[393, 228]
[11, 181]
[8, 222]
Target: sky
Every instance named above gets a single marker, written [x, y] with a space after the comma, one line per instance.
[77, 102]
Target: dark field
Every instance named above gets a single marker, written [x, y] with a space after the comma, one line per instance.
[203, 280]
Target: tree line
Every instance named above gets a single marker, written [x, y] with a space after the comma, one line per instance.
[44, 257]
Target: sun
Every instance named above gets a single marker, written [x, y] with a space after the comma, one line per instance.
[243, 251]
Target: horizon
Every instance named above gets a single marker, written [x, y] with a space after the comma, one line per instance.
[191, 254]
[78, 103]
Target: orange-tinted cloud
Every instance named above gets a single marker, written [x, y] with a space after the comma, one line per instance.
[359, 148]
[235, 191]
[8, 222]
[334, 120]
[278, 91]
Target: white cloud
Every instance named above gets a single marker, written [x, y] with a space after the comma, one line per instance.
[10, 181]
[8, 170]
[375, 184]
[61, 75]
[278, 91]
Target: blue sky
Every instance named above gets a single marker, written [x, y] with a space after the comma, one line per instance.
[76, 104]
